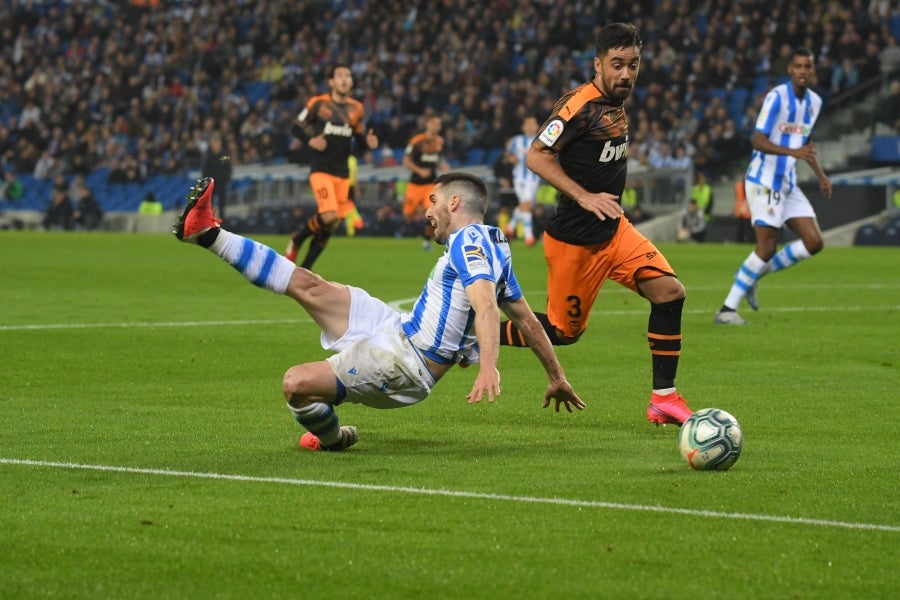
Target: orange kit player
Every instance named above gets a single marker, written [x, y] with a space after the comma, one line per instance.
[329, 123]
[582, 150]
[423, 158]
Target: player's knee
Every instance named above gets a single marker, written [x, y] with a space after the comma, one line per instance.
[296, 386]
[814, 246]
[564, 340]
[329, 219]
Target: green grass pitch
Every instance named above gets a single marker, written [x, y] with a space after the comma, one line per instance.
[146, 452]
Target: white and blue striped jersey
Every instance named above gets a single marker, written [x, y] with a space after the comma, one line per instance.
[518, 146]
[442, 321]
[787, 121]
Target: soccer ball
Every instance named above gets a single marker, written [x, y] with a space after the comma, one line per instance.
[710, 440]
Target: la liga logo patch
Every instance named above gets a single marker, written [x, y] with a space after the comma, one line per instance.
[552, 132]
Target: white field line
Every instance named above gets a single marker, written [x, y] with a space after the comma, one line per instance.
[455, 494]
[402, 305]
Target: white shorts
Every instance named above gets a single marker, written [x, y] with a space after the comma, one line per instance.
[772, 209]
[375, 362]
[526, 191]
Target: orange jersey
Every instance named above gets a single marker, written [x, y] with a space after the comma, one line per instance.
[340, 122]
[425, 152]
[589, 135]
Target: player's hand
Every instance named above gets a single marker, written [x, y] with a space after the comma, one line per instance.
[487, 382]
[825, 187]
[603, 205]
[807, 152]
[318, 143]
[562, 393]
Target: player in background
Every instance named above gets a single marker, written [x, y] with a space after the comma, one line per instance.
[506, 194]
[525, 181]
[330, 123]
[582, 151]
[783, 127]
[385, 359]
[423, 159]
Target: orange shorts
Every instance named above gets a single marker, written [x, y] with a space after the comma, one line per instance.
[417, 194]
[332, 193]
[575, 274]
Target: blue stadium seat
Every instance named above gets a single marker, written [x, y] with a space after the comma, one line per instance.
[867, 235]
[475, 156]
[492, 155]
[737, 101]
[255, 90]
[761, 84]
[886, 148]
[718, 92]
[891, 236]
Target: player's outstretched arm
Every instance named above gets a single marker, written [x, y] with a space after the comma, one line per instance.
[482, 297]
[559, 389]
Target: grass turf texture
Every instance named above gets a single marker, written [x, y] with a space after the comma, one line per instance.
[143, 353]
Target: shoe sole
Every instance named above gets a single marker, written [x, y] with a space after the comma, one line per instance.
[194, 194]
[720, 321]
[661, 417]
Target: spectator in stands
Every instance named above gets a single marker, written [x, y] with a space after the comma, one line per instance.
[150, 205]
[11, 188]
[889, 57]
[59, 214]
[45, 167]
[692, 223]
[890, 113]
[118, 55]
[845, 76]
[217, 164]
[702, 194]
[86, 212]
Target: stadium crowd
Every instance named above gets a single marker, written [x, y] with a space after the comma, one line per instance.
[140, 88]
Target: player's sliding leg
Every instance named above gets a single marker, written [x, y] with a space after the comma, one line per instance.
[265, 268]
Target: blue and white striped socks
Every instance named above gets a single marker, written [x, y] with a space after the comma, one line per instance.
[319, 419]
[753, 269]
[259, 264]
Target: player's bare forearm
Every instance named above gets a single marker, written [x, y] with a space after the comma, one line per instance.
[545, 165]
[558, 390]
[604, 205]
[522, 316]
[482, 296]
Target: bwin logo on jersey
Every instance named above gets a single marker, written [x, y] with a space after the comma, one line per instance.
[341, 130]
[611, 152]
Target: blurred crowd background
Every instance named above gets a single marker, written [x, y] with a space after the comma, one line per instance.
[130, 92]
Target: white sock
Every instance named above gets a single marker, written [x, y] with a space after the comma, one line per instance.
[527, 225]
[748, 274]
[788, 256]
[514, 220]
[260, 265]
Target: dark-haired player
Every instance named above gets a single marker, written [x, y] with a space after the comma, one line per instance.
[582, 150]
[385, 359]
[329, 123]
[781, 138]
